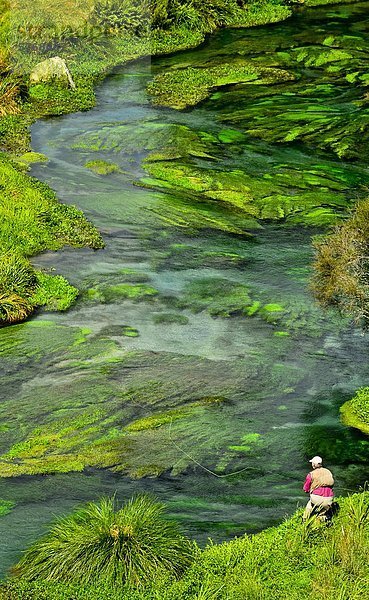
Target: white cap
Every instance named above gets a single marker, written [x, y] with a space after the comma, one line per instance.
[316, 460]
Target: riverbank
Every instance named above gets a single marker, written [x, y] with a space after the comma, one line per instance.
[355, 412]
[292, 560]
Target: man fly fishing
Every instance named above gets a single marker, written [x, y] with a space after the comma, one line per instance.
[318, 483]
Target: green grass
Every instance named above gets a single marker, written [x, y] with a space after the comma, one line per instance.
[292, 560]
[219, 297]
[28, 206]
[102, 167]
[355, 412]
[102, 543]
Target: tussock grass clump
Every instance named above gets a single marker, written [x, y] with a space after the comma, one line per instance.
[341, 266]
[14, 308]
[105, 544]
[17, 282]
[16, 274]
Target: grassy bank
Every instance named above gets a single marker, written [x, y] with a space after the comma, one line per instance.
[293, 560]
[355, 412]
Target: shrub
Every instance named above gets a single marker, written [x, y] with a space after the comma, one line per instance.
[341, 265]
[101, 543]
[117, 15]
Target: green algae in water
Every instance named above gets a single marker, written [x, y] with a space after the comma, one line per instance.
[157, 420]
[5, 507]
[180, 88]
[102, 167]
[121, 291]
[219, 297]
[250, 442]
[128, 331]
[170, 318]
[163, 140]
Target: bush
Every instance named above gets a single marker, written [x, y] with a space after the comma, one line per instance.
[117, 15]
[101, 543]
[341, 265]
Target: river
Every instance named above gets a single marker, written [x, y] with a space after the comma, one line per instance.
[250, 397]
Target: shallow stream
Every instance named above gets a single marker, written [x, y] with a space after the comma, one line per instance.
[243, 397]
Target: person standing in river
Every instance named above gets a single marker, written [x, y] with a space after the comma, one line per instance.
[318, 483]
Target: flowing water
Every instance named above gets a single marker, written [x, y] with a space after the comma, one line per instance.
[242, 400]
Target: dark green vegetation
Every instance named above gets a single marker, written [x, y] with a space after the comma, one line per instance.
[104, 544]
[355, 412]
[289, 561]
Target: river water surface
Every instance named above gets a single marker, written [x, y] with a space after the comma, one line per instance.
[276, 378]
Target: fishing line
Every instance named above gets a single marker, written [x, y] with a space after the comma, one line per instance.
[198, 463]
